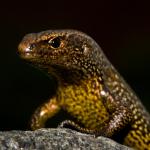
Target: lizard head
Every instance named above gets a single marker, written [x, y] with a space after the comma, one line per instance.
[68, 50]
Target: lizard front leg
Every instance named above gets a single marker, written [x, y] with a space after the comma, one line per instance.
[119, 117]
[43, 113]
[118, 120]
[76, 126]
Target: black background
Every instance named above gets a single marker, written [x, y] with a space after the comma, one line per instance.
[121, 28]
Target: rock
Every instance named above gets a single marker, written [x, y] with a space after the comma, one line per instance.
[55, 139]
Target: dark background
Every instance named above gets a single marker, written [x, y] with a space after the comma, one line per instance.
[121, 28]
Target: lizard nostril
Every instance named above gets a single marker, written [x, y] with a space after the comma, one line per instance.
[31, 47]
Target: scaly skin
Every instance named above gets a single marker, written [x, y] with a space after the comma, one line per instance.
[89, 88]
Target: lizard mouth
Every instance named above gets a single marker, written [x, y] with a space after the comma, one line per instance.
[25, 54]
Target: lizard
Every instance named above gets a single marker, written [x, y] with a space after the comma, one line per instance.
[89, 88]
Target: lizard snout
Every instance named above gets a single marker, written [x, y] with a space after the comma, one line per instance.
[26, 46]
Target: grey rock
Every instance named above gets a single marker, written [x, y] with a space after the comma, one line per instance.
[55, 139]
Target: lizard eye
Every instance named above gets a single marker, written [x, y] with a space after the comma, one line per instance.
[55, 42]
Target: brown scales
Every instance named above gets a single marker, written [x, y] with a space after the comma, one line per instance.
[89, 88]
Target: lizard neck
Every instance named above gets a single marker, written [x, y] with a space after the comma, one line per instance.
[67, 77]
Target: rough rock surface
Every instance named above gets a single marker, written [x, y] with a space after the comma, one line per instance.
[55, 139]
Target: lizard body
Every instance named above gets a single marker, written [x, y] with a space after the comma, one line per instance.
[89, 87]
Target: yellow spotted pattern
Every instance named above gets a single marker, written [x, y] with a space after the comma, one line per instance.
[84, 103]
